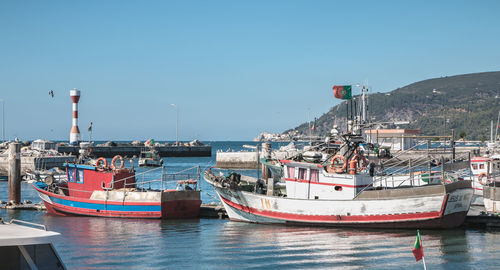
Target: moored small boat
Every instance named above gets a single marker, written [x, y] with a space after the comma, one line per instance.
[113, 192]
[150, 158]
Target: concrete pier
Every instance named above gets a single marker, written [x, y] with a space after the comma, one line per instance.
[131, 150]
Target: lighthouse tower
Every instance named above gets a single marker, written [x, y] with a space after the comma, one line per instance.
[74, 135]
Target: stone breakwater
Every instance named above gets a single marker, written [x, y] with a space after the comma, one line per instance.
[131, 150]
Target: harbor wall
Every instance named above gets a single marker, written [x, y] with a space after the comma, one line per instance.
[130, 150]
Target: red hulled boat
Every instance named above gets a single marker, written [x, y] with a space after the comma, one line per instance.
[113, 192]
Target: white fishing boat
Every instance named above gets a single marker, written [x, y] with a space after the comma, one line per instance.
[150, 157]
[22, 246]
[347, 191]
[335, 195]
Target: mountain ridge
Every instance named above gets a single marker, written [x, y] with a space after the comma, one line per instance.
[466, 103]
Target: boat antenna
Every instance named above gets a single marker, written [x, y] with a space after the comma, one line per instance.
[346, 117]
[498, 124]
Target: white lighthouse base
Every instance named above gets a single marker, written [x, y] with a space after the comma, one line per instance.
[74, 138]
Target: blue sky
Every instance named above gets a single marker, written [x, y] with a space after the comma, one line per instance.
[234, 68]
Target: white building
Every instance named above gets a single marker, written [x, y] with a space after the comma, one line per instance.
[396, 139]
[43, 145]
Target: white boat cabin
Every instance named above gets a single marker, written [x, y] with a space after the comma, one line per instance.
[489, 166]
[312, 182]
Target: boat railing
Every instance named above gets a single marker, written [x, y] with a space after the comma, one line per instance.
[13, 221]
[162, 183]
[417, 173]
[396, 157]
[165, 178]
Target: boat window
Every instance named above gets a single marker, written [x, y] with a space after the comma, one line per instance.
[291, 172]
[72, 174]
[302, 173]
[474, 166]
[75, 175]
[79, 178]
[314, 176]
[481, 166]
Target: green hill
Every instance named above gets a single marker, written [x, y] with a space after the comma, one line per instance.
[466, 103]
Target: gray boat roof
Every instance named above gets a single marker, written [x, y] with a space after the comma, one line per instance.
[12, 234]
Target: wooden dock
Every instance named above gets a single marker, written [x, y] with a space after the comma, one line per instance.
[28, 206]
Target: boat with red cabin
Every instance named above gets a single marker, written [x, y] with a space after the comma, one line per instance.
[113, 191]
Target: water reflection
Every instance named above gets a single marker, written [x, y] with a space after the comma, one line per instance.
[298, 247]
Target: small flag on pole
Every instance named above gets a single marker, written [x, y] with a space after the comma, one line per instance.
[314, 124]
[418, 249]
[342, 91]
[90, 127]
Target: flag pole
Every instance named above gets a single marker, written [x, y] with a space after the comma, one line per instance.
[423, 261]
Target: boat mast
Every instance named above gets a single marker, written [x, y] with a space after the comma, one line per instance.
[498, 124]
[364, 104]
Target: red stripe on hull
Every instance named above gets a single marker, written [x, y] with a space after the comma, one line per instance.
[433, 219]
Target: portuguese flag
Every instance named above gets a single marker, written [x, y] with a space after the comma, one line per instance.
[418, 249]
[342, 91]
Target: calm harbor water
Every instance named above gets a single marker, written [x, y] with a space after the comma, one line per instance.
[109, 243]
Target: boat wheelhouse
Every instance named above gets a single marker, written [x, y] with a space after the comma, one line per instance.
[484, 170]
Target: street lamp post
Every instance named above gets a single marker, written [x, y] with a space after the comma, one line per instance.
[176, 124]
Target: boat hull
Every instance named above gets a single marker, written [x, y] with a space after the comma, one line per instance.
[150, 163]
[429, 207]
[170, 204]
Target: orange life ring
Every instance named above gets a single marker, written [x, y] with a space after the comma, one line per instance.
[480, 179]
[337, 168]
[113, 166]
[105, 164]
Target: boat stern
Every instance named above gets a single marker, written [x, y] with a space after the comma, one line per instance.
[180, 204]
